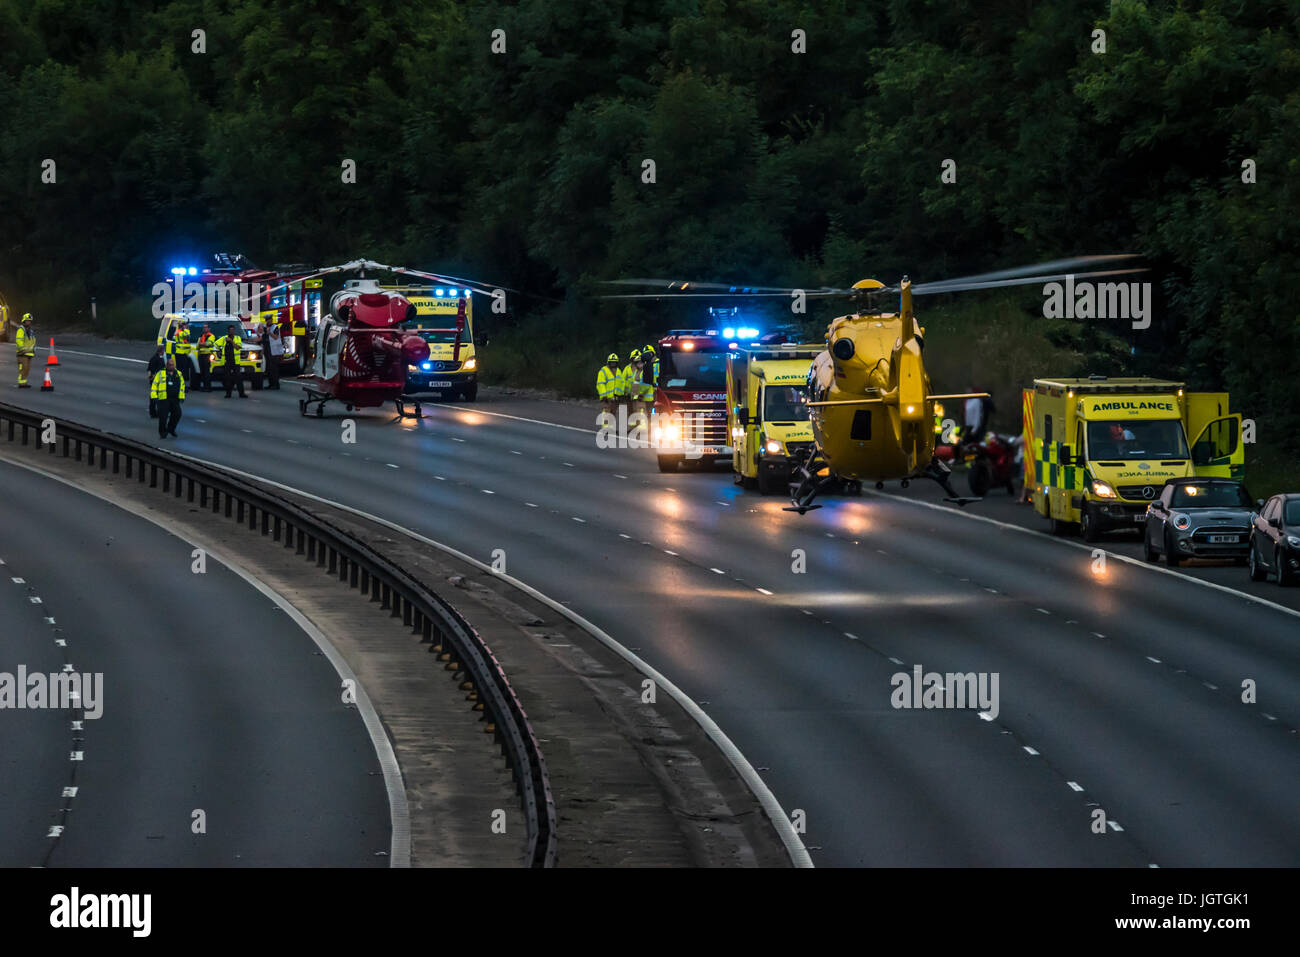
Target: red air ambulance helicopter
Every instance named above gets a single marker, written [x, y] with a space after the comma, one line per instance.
[362, 353]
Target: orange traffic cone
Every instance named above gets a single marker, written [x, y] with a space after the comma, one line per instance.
[53, 360]
[48, 384]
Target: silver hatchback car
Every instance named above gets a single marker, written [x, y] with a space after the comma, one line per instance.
[1199, 518]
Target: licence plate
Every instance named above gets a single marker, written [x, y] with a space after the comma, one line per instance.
[705, 451]
[1140, 519]
[440, 385]
[1222, 539]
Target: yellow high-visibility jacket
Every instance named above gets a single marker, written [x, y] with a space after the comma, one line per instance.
[25, 342]
[607, 383]
[181, 344]
[206, 344]
[159, 388]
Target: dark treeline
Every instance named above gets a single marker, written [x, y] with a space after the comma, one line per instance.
[525, 167]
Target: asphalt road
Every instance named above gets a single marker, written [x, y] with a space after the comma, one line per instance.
[213, 701]
[1120, 690]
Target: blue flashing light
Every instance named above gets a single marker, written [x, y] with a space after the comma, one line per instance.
[734, 345]
[193, 271]
[747, 333]
[439, 292]
[728, 333]
[451, 292]
[178, 271]
[426, 366]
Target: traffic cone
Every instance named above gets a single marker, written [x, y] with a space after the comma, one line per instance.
[53, 360]
[48, 384]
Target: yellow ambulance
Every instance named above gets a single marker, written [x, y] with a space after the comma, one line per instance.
[767, 412]
[452, 367]
[1098, 450]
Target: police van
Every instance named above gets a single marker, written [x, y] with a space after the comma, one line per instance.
[1099, 450]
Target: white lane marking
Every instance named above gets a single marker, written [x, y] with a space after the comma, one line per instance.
[1044, 611]
[438, 477]
[97, 355]
[667, 552]
[530, 504]
[69, 792]
[77, 756]
[628, 537]
[720, 502]
[1154, 661]
[582, 520]
[77, 726]
[851, 636]
[1074, 786]
[1137, 562]
[569, 464]
[616, 475]
[895, 661]
[391, 465]
[1097, 634]
[763, 591]
[513, 452]
[1267, 715]
[398, 810]
[520, 418]
[1027, 747]
[1210, 686]
[991, 590]
[454, 439]
[1114, 825]
[60, 642]
[716, 571]
[776, 814]
[985, 716]
[805, 611]
[487, 491]
[35, 599]
[49, 621]
[19, 581]
[55, 830]
[247, 431]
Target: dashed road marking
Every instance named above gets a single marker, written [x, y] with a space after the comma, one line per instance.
[391, 465]
[1043, 611]
[668, 552]
[582, 520]
[530, 504]
[1074, 785]
[487, 491]
[1114, 825]
[716, 571]
[985, 716]
[852, 637]
[1028, 749]
[1154, 661]
[895, 661]
[762, 591]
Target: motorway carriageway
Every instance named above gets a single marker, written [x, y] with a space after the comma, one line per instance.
[213, 700]
[1119, 691]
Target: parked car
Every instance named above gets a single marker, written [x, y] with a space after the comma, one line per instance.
[1275, 540]
[1199, 518]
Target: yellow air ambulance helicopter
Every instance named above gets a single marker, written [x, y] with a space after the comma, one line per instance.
[870, 401]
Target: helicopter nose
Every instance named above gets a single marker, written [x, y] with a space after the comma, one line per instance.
[843, 349]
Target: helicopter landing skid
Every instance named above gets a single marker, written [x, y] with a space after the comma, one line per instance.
[808, 485]
[401, 400]
[939, 471]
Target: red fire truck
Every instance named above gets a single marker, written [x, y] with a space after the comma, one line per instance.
[690, 412]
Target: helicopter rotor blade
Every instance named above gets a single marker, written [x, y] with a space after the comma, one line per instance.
[937, 289]
[1053, 266]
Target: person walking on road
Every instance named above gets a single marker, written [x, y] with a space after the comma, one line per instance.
[272, 349]
[25, 346]
[229, 346]
[206, 339]
[157, 362]
[168, 391]
[608, 381]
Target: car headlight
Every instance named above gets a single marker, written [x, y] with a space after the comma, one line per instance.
[1102, 489]
[471, 364]
[1293, 541]
[1181, 521]
[411, 368]
[773, 447]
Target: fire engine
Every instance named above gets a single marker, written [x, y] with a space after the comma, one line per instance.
[690, 410]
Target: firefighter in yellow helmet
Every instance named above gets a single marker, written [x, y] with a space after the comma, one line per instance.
[25, 346]
[608, 384]
[649, 376]
[631, 376]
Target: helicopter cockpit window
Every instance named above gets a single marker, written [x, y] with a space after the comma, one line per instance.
[785, 403]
